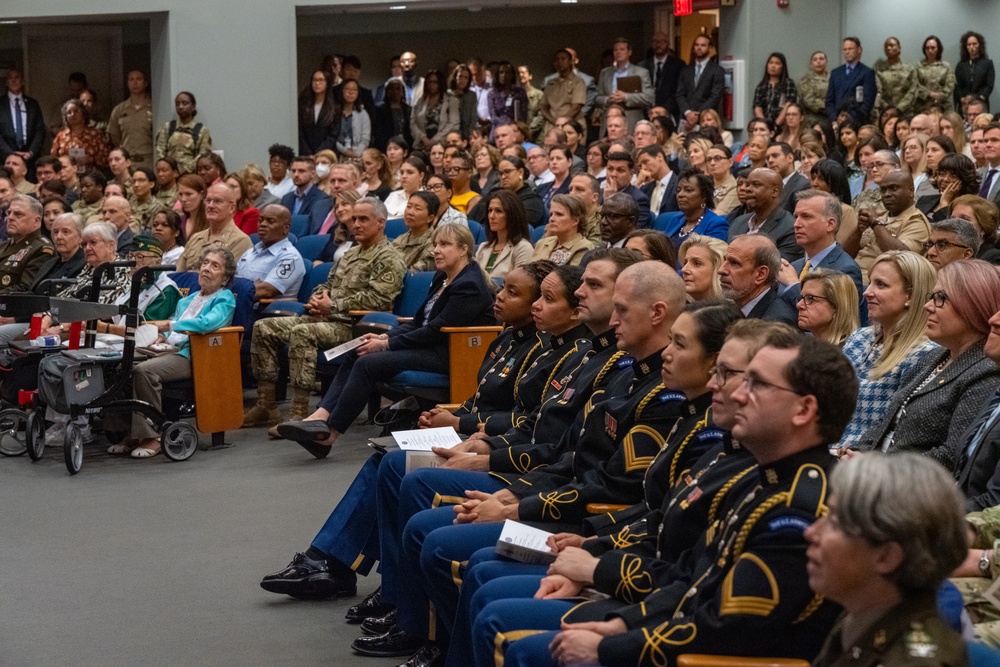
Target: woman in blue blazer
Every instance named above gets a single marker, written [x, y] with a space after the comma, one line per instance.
[695, 199]
[460, 295]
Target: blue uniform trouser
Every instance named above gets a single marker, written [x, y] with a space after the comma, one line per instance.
[350, 534]
[400, 498]
[485, 566]
[503, 624]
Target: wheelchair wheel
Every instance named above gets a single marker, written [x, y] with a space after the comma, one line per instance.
[178, 440]
[73, 448]
[35, 435]
[12, 432]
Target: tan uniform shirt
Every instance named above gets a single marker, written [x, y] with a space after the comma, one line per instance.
[571, 252]
[131, 128]
[560, 94]
[231, 238]
[910, 227]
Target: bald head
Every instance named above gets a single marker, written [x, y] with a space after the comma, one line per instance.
[651, 281]
[897, 191]
[923, 124]
[117, 211]
[274, 224]
[220, 203]
[763, 191]
[648, 298]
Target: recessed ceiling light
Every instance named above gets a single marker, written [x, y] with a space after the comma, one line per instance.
[8, 22]
[396, 7]
[568, 2]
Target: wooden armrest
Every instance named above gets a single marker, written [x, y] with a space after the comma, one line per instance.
[277, 298]
[450, 407]
[214, 331]
[604, 508]
[362, 313]
[483, 329]
[696, 660]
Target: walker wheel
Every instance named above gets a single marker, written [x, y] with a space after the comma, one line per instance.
[35, 435]
[12, 432]
[73, 448]
[178, 440]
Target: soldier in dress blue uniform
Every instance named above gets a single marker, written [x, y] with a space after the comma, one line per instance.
[744, 579]
[619, 440]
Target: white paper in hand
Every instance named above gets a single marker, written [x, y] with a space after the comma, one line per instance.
[423, 439]
[524, 543]
[343, 348]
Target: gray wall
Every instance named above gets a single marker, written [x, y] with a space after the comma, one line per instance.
[753, 29]
[913, 20]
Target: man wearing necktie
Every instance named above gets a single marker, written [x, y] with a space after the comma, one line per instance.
[852, 86]
[22, 128]
[701, 84]
[665, 69]
[990, 174]
[976, 464]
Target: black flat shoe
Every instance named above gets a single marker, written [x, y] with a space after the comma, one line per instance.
[317, 450]
[379, 625]
[391, 644]
[429, 655]
[369, 607]
[308, 579]
[310, 429]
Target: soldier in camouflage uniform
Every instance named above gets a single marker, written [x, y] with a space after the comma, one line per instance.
[812, 90]
[984, 614]
[368, 277]
[536, 121]
[183, 139]
[896, 81]
[935, 77]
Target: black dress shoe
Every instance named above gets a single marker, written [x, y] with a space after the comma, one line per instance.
[393, 643]
[309, 429]
[429, 655]
[379, 625]
[367, 608]
[309, 579]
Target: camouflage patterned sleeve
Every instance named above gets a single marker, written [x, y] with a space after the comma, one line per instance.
[204, 141]
[382, 282]
[161, 141]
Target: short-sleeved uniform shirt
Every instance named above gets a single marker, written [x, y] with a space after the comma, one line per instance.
[279, 265]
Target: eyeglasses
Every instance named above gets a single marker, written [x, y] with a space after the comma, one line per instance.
[723, 373]
[455, 170]
[716, 158]
[216, 200]
[614, 216]
[879, 165]
[943, 245]
[138, 256]
[810, 299]
[939, 298]
[436, 186]
[754, 383]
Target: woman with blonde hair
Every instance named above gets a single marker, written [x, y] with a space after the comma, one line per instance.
[340, 227]
[324, 160]
[711, 118]
[953, 127]
[255, 180]
[828, 306]
[696, 150]
[888, 352]
[700, 258]
[914, 156]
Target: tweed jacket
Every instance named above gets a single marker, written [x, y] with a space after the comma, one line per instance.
[938, 413]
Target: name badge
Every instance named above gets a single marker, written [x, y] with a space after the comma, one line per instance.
[859, 94]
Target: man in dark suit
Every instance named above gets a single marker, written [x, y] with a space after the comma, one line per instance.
[781, 158]
[989, 176]
[977, 462]
[766, 217]
[665, 70]
[852, 86]
[306, 198]
[351, 69]
[618, 178]
[661, 188]
[817, 221]
[701, 83]
[22, 128]
[749, 276]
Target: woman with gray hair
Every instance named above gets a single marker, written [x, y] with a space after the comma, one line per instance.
[210, 308]
[881, 552]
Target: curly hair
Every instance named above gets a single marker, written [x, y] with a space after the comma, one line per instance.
[962, 168]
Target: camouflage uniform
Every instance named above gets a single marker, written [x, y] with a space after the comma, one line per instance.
[131, 128]
[362, 280]
[591, 227]
[536, 121]
[897, 86]
[143, 213]
[21, 259]
[89, 212]
[938, 77]
[167, 196]
[418, 252]
[181, 144]
[985, 616]
[869, 199]
[812, 97]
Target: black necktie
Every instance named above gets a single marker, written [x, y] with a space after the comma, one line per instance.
[659, 73]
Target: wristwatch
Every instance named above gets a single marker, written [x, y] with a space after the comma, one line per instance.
[984, 563]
